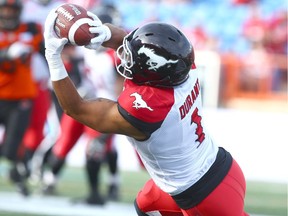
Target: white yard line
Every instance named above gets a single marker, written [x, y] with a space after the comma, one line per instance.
[60, 206]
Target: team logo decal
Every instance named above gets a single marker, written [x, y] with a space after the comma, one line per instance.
[139, 102]
[155, 61]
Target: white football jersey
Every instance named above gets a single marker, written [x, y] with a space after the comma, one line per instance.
[179, 151]
[36, 12]
[101, 72]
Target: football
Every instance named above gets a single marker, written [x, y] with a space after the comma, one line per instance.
[71, 23]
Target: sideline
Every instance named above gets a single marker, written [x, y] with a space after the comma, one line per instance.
[59, 206]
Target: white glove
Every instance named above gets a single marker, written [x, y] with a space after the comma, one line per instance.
[18, 49]
[53, 48]
[102, 31]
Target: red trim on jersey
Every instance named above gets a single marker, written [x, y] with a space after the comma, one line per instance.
[156, 102]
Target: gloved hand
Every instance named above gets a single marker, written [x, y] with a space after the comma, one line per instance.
[53, 48]
[18, 50]
[102, 31]
[53, 44]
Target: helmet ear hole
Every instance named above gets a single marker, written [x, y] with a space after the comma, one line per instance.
[149, 34]
[171, 39]
[181, 65]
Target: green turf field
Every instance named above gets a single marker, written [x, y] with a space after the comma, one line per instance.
[262, 198]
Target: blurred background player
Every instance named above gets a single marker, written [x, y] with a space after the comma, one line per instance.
[70, 130]
[108, 84]
[18, 89]
[100, 148]
[36, 11]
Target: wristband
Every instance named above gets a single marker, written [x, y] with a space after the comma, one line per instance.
[56, 68]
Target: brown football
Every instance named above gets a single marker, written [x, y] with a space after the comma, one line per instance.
[71, 23]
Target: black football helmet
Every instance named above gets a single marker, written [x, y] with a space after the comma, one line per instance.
[10, 11]
[156, 54]
[108, 13]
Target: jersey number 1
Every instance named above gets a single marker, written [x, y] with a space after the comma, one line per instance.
[196, 118]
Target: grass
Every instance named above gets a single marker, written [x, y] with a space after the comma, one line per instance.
[266, 198]
[261, 198]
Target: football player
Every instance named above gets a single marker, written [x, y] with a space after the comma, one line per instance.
[18, 41]
[160, 110]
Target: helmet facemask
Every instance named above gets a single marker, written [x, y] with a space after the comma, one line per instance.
[125, 55]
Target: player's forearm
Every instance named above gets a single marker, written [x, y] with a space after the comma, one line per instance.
[117, 35]
[67, 95]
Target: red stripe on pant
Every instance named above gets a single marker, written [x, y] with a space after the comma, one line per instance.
[35, 134]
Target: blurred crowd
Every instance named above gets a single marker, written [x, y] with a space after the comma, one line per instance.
[249, 37]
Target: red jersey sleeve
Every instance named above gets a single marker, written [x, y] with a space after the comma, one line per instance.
[145, 107]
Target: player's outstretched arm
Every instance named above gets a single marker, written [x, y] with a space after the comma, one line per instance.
[99, 114]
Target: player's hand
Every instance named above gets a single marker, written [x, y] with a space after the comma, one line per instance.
[102, 31]
[19, 50]
[53, 44]
[53, 48]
